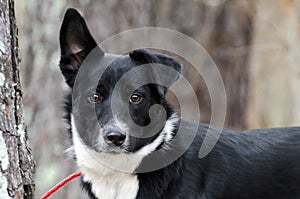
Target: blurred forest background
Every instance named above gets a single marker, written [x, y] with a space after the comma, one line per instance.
[255, 44]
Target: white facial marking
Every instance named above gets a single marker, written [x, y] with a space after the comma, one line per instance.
[111, 175]
[106, 182]
[112, 125]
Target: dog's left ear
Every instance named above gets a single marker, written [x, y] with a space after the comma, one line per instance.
[142, 56]
[76, 42]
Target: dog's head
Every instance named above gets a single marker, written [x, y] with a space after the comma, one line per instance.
[113, 95]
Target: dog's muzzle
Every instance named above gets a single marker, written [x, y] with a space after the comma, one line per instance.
[114, 138]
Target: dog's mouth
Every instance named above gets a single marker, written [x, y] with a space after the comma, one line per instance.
[100, 146]
[114, 151]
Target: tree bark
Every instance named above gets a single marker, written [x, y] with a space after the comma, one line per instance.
[16, 162]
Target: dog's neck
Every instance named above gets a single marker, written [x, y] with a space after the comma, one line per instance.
[111, 183]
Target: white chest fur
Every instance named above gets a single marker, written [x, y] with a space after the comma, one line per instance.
[106, 182]
[115, 185]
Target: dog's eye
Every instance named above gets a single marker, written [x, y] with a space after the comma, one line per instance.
[135, 98]
[93, 98]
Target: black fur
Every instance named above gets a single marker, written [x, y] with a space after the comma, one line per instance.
[256, 164]
[87, 186]
[76, 43]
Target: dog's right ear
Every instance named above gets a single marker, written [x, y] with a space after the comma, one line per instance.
[76, 42]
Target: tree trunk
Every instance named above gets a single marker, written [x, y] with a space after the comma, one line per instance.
[16, 162]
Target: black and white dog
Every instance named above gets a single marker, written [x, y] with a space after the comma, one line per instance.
[116, 157]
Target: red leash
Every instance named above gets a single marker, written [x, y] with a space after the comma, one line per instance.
[61, 184]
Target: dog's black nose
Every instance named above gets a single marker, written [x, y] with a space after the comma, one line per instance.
[116, 138]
